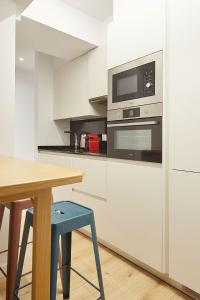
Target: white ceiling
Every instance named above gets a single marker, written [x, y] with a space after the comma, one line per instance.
[38, 37]
[99, 9]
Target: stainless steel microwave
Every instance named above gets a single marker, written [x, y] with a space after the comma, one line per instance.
[138, 82]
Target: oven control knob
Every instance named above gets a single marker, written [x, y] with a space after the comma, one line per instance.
[148, 85]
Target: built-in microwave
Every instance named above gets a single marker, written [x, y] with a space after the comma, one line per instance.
[138, 82]
[136, 133]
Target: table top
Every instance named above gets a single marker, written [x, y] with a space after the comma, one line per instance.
[21, 176]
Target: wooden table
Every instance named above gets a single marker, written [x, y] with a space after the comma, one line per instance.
[21, 179]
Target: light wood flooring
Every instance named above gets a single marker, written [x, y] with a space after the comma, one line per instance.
[122, 279]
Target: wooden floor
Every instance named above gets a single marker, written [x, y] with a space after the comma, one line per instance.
[122, 279]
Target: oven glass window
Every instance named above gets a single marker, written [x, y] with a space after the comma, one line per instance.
[133, 139]
[127, 85]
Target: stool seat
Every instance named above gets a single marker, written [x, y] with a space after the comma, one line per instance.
[66, 211]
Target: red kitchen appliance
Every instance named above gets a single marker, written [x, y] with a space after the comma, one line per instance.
[93, 143]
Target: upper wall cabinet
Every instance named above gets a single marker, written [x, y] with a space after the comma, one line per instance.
[183, 60]
[97, 68]
[137, 30]
[97, 72]
[71, 99]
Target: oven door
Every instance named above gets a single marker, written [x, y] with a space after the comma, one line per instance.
[136, 140]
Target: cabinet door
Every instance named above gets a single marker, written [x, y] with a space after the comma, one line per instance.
[135, 198]
[94, 181]
[71, 89]
[184, 238]
[92, 191]
[60, 192]
[137, 30]
[97, 68]
[183, 48]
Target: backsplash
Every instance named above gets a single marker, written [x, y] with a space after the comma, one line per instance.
[97, 126]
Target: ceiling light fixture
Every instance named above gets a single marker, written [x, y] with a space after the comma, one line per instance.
[21, 59]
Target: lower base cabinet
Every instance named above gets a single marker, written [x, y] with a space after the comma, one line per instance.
[184, 234]
[61, 192]
[127, 200]
[92, 192]
[135, 204]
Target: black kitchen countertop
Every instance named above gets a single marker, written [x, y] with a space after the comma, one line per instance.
[70, 150]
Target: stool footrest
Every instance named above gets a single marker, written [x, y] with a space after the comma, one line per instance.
[83, 277]
[3, 272]
[63, 267]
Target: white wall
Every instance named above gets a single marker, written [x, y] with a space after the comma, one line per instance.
[7, 100]
[7, 8]
[49, 132]
[25, 114]
[7, 85]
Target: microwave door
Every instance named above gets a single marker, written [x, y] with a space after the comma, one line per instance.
[127, 85]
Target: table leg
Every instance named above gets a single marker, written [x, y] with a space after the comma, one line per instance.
[41, 245]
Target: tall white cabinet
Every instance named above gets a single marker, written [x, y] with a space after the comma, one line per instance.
[184, 244]
[137, 30]
[183, 63]
[182, 82]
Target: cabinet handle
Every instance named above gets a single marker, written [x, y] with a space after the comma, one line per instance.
[89, 194]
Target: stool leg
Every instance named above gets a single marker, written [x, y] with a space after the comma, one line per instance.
[97, 259]
[27, 226]
[66, 261]
[60, 263]
[2, 208]
[13, 248]
[54, 262]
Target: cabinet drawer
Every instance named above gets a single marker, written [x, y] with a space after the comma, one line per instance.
[94, 181]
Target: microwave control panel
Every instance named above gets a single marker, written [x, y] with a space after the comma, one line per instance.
[149, 79]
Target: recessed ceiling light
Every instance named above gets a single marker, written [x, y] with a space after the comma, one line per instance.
[21, 59]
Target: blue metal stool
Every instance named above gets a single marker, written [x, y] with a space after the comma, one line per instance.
[66, 217]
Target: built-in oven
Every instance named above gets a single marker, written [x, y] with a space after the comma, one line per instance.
[136, 133]
[138, 82]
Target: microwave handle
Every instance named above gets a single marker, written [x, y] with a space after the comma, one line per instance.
[134, 124]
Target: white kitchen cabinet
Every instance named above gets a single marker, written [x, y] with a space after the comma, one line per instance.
[136, 203]
[183, 60]
[127, 199]
[92, 192]
[70, 89]
[184, 234]
[71, 97]
[61, 192]
[137, 30]
[95, 177]
[97, 68]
